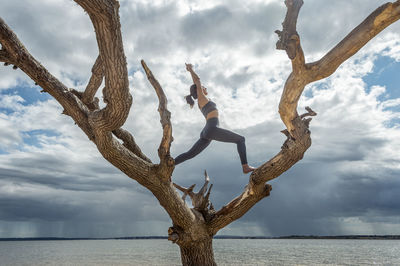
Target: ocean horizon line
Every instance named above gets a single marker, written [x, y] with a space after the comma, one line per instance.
[361, 237]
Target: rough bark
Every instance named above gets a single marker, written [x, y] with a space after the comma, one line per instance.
[192, 229]
[198, 253]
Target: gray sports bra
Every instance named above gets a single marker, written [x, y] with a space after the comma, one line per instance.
[208, 108]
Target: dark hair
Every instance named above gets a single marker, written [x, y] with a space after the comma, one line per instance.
[193, 93]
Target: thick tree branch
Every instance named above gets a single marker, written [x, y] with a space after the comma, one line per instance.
[166, 161]
[381, 18]
[237, 207]
[300, 77]
[20, 56]
[129, 143]
[289, 40]
[105, 18]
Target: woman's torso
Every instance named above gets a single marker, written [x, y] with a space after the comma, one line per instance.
[212, 113]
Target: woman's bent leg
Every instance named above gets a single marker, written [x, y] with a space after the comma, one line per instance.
[224, 135]
[198, 147]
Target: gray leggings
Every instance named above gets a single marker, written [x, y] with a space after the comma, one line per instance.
[212, 132]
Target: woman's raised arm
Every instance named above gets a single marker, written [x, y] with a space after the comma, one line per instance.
[196, 81]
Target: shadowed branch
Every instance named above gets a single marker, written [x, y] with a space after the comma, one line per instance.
[200, 200]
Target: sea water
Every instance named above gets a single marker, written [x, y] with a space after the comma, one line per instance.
[227, 252]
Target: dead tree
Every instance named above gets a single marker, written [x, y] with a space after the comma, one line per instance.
[192, 228]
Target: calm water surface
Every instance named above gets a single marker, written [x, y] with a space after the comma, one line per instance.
[227, 252]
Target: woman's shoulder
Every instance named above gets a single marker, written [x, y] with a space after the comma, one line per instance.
[203, 102]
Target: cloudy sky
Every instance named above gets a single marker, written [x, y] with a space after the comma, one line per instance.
[53, 181]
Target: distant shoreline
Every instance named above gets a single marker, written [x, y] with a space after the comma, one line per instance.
[357, 237]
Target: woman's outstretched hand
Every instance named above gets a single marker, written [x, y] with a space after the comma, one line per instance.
[189, 67]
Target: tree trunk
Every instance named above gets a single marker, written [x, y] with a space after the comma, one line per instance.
[198, 253]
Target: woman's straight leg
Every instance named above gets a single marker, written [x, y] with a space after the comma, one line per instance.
[198, 147]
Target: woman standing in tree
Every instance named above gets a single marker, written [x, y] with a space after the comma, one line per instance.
[211, 131]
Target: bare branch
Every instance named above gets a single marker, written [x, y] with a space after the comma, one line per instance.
[310, 112]
[94, 84]
[289, 39]
[105, 19]
[369, 28]
[237, 207]
[166, 161]
[200, 200]
[186, 191]
[129, 143]
[380, 19]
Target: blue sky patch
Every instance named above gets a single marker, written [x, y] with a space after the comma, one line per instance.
[3, 152]
[5, 111]
[386, 73]
[133, 70]
[31, 137]
[309, 89]
[29, 94]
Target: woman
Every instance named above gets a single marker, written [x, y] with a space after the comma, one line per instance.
[211, 131]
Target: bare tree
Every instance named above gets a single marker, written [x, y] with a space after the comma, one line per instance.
[193, 228]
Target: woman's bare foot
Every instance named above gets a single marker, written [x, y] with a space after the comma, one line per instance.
[247, 169]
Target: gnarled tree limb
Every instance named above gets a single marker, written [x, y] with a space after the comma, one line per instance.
[380, 19]
[166, 161]
[200, 200]
[129, 143]
[94, 83]
[105, 19]
[289, 40]
[237, 207]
